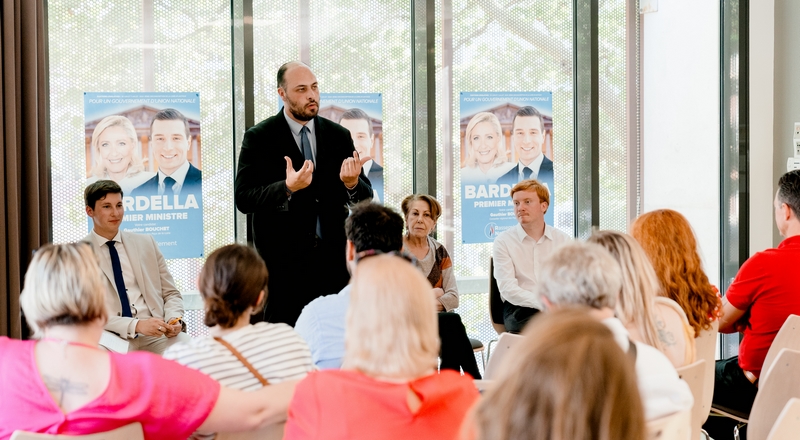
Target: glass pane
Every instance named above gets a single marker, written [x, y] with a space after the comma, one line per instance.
[353, 47]
[523, 47]
[127, 46]
[613, 115]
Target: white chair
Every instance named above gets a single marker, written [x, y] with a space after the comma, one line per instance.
[776, 388]
[132, 431]
[788, 424]
[706, 349]
[788, 337]
[672, 427]
[694, 376]
[271, 432]
[505, 344]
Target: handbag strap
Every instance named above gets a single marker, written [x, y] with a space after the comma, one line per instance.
[264, 382]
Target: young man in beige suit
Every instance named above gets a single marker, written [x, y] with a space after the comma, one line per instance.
[144, 306]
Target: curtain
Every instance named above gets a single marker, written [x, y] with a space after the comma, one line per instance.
[25, 204]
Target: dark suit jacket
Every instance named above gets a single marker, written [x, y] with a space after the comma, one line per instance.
[192, 183]
[545, 174]
[284, 231]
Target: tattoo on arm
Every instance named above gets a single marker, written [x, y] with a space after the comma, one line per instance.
[61, 386]
[663, 335]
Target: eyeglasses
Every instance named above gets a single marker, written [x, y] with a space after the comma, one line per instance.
[372, 252]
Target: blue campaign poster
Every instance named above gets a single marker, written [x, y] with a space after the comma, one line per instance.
[150, 144]
[505, 137]
[362, 114]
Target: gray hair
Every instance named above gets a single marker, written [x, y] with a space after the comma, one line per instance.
[580, 273]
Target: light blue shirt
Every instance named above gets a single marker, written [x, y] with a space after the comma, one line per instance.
[295, 127]
[321, 324]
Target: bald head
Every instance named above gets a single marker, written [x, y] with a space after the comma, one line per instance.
[285, 68]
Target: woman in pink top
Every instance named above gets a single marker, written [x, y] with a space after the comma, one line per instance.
[388, 387]
[65, 384]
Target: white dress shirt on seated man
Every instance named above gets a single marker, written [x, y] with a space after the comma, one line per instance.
[517, 259]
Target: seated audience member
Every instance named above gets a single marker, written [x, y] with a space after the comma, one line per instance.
[377, 228]
[584, 274]
[656, 321]
[421, 212]
[65, 384]
[519, 252]
[668, 239]
[758, 302]
[237, 354]
[570, 354]
[144, 306]
[388, 387]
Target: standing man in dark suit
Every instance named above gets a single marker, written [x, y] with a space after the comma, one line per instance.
[360, 126]
[527, 132]
[169, 134]
[298, 174]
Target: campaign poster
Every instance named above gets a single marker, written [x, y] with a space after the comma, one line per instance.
[505, 137]
[362, 114]
[150, 144]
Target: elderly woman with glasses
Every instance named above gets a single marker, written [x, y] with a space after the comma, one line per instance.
[388, 387]
[64, 383]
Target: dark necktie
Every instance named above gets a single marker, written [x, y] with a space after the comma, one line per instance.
[305, 145]
[118, 280]
[526, 173]
[168, 182]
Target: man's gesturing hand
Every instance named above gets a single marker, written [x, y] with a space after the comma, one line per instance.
[297, 180]
[351, 169]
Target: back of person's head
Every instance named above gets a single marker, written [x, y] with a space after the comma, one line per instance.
[97, 190]
[392, 327]
[371, 226]
[668, 240]
[580, 274]
[640, 286]
[789, 191]
[568, 380]
[63, 287]
[230, 282]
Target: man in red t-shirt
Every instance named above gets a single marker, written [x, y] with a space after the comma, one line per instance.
[758, 302]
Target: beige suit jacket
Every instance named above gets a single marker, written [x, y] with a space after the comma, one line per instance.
[154, 280]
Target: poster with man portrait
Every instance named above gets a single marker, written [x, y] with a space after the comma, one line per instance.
[150, 144]
[506, 137]
[362, 114]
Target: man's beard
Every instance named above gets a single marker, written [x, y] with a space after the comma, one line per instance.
[301, 113]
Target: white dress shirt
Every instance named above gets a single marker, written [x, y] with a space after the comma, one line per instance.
[138, 306]
[534, 166]
[179, 175]
[663, 392]
[517, 261]
[295, 127]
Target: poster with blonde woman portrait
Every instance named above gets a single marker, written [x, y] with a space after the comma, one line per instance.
[149, 143]
[506, 137]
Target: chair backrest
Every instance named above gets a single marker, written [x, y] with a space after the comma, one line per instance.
[132, 431]
[271, 432]
[694, 376]
[504, 345]
[672, 427]
[788, 337]
[495, 301]
[788, 423]
[706, 347]
[776, 387]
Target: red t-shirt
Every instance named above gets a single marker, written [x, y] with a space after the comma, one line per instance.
[766, 287]
[338, 404]
[168, 399]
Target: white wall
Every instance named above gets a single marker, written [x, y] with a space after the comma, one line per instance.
[680, 117]
[762, 71]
